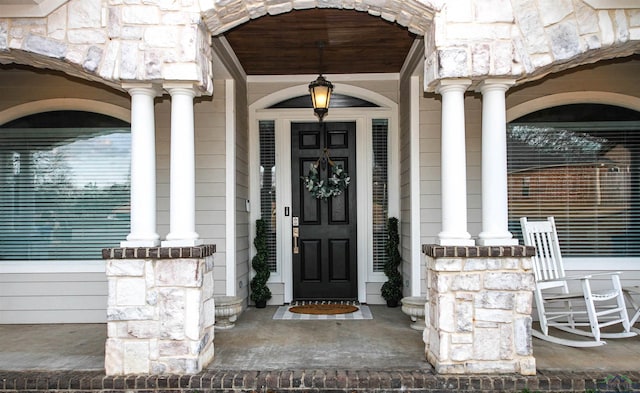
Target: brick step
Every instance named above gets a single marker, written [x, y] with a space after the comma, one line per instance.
[329, 380]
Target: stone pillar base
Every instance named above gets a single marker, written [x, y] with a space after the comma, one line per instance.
[160, 312]
[479, 309]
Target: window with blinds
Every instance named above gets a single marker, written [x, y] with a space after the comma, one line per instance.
[580, 164]
[268, 186]
[380, 196]
[64, 186]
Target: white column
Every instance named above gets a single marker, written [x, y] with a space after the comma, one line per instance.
[182, 199]
[143, 167]
[495, 230]
[453, 180]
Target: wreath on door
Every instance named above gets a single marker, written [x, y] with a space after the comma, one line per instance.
[334, 185]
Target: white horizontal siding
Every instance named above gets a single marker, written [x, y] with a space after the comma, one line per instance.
[73, 297]
[69, 301]
[52, 316]
[48, 288]
[277, 293]
[374, 293]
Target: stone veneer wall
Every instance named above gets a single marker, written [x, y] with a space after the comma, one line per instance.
[160, 312]
[478, 315]
[115, 41]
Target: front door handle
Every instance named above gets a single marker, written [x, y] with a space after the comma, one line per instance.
[296, 235]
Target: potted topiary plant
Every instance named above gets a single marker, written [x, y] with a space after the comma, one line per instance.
[392, 289]
[260, 293]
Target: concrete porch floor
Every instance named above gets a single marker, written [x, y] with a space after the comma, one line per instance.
[257, 342]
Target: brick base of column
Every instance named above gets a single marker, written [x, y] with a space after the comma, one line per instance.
[479, 309]
[160, 313]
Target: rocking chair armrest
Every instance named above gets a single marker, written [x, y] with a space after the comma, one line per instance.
[590, 275]
[564, 296]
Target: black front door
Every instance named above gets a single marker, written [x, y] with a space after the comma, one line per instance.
[325, 261]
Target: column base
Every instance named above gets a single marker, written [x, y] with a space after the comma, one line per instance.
[182, 243]
[455, 238]
[456, 242]
[497, 242]
[140, 243]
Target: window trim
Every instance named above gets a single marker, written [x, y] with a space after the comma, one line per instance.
[63, 134]
[580, 97]
[65, 104]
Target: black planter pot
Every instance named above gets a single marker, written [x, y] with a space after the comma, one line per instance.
[261, 304]
[392, 303]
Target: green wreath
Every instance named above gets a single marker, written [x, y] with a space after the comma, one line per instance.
[333, 186]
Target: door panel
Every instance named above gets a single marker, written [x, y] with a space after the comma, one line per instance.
[310, 255]
[325, 266]
[338, 260]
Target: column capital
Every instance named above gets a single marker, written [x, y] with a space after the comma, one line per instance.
[181, 86]
[495, 84]
[452, 84]
[142, 87]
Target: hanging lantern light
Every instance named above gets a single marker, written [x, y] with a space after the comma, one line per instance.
[320, 90]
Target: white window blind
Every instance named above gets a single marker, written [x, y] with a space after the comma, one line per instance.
[584, 173]
[64, 192]
[268, 187]
[380, 195]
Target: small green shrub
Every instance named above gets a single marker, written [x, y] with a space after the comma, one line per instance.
[392, 289]
[260, 293]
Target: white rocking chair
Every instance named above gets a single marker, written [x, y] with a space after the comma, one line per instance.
[556, 305]
[629, 292]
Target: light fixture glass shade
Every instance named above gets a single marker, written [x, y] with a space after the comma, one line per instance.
[320, 90]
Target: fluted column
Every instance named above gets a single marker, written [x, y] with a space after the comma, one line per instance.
[453, 165]
[495, 208]
[143, 167]
[182, 211]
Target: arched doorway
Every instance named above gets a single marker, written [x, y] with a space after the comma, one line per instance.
[368, 122]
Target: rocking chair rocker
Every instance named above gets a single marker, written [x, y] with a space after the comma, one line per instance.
[556, 305]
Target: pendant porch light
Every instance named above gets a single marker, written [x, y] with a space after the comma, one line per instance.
[320, 90]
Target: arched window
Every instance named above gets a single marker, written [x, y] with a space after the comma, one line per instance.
[581, 164]
[64, 185]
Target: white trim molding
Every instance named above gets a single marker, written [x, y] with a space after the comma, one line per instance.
[612, 4]
[575, 97]
[230, 180]
[416, 251]
[300, 90]
[65, 104]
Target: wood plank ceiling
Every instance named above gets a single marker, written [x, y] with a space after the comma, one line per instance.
[287, 44]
